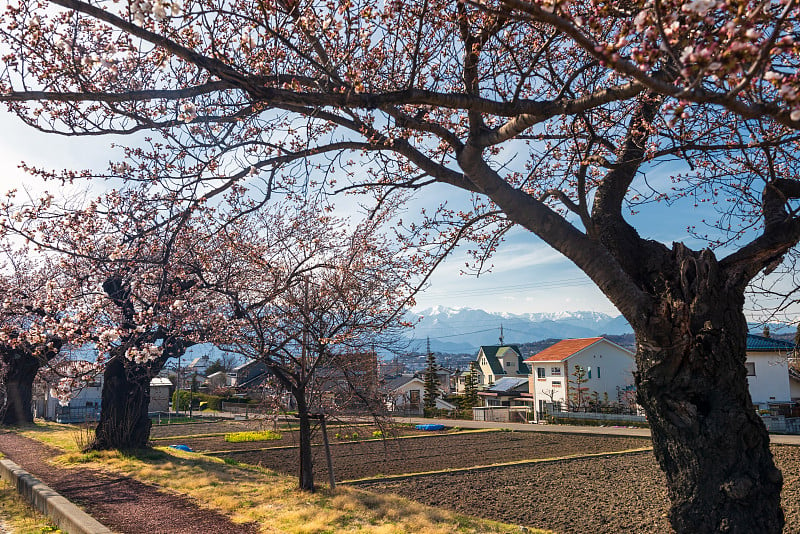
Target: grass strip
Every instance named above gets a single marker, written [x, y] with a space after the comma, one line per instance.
[405, 476]
[259, 435]
[18, 517]
[247, 494]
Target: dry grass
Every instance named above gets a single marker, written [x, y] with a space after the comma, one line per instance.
[18, 517]
[253, 494]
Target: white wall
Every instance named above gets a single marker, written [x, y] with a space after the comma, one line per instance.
[555, 381]
[616, 370]
[794, 389]
[771, 381]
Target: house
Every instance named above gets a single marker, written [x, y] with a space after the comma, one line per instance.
[496, 361]
[160, 393]
[575, 372]
[83, 406]
[220, 379]
[507, 391]
[198, 366]
[404, 395]
[250, 376]
[770, 379]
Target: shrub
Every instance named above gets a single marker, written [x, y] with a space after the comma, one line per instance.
[263, 435]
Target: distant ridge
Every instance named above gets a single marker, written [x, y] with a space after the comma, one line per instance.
[463, 330]
[457, 330]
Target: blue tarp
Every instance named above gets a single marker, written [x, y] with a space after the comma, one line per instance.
[430, 427]
[182, 448]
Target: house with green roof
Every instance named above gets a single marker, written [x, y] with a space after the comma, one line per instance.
[497, 361]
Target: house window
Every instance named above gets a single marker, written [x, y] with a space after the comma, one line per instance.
[588, 373]
[598, 372]
[556, 383]
[413, 396]
[751, 368]
[555, 371]
[540, 372]
[508, 364]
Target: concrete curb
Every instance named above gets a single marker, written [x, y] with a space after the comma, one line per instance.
[63, 513]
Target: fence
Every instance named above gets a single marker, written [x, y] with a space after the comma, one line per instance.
[73, 414]
[595, 416]
[501, 414]
[239, 407]
[782, 424]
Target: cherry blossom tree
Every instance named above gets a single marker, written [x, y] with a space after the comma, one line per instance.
[312, 298]
[128, 298]
[32, 304]
[554, 115]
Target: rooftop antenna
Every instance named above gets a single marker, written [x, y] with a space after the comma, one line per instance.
[501, 334]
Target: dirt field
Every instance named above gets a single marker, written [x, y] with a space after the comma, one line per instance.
[431, 453]
[603, 494]
[599, 495]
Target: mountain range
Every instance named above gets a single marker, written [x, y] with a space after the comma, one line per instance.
[463, 330]
[460, 330]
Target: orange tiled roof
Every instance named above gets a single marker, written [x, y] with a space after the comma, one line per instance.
[563, 350]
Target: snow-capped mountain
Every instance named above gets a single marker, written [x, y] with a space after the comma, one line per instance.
[465, 329]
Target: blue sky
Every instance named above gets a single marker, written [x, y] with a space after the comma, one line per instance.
[528, 276]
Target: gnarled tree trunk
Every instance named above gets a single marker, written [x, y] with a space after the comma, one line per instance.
[21, 369]
[124, 423]
[691, 381]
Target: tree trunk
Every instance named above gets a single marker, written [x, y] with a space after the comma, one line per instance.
[21, 370]
[124, 423]
[306, 462]
[691, 381]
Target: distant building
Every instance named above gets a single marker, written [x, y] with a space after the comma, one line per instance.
[607, 370]
[498, 361]
[770, 378]
[160, 393]
[198, 366]
[83, 406]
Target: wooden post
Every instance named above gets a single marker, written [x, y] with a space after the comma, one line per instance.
[331, 477]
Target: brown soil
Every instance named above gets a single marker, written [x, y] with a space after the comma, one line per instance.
[122, 504]
[430, 453]
[614, 494]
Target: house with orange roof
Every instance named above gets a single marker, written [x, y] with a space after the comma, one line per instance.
[604, 369]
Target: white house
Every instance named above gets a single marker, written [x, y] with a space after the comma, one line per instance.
[607, 370]
[405, 393]
[769, 377]
[83, 406]
[498, 361]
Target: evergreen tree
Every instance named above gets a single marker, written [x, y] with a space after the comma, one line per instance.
[431, 380]
[471, 387]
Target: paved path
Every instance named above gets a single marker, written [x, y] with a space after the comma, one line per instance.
[782, 439]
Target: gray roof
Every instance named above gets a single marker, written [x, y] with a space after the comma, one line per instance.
[509, 383]
[399, 381]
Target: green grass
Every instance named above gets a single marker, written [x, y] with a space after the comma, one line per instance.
[261, 435]
[18, 516]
